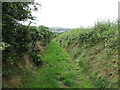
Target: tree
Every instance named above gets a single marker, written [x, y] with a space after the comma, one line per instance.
[13, 32]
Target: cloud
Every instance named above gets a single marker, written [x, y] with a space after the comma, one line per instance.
[74, 13]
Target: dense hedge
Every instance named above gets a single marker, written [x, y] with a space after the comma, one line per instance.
[19, 39]
[95, 50]
[102, 32]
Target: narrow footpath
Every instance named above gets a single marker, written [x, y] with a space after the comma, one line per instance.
[59, 71]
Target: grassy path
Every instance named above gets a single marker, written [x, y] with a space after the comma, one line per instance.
[59, 71]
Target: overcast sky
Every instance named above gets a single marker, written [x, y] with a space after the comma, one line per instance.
[75, 13]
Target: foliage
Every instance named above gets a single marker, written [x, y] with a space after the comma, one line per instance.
[45, 34]
[88, 37]
[99, 81]
[95, 50]
[21, 39]
[84, 63]
[4, 45]
[14, 33]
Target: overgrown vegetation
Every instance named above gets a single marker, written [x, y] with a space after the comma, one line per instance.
[27, 63]
[58, 71]
[95, 49]
[22, 44]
